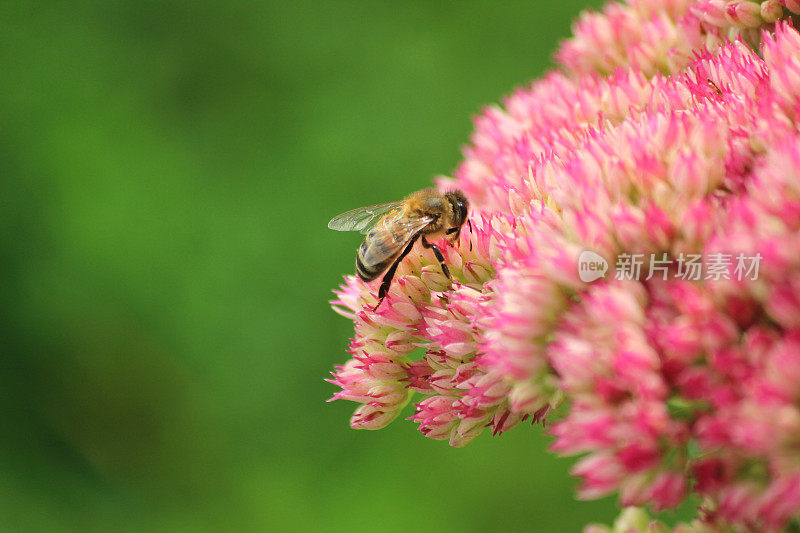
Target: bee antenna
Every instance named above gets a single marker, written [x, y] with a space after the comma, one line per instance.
[469, 223]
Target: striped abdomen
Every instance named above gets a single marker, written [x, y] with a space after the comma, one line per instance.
[374, 256]
[384, 243]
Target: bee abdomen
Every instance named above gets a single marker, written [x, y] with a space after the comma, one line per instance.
[368, 271]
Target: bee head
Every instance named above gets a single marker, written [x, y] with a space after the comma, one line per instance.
[460, 206]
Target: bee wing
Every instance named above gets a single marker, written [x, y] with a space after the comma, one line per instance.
[390, 236]
[362, 218]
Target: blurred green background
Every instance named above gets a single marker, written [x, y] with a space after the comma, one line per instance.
[167, 172]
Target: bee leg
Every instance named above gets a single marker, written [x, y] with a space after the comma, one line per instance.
[455, 232]
[387, 278]
[456, 237]
[438, 254]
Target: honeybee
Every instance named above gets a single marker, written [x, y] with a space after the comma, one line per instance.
[391, 230]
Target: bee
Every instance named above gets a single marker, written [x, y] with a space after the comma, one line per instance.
[391, 230]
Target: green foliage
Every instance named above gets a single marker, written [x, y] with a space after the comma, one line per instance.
[168, 170]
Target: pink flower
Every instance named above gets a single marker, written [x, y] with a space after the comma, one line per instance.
[650, 36]
[375, 381]
[672, 132]
[620, 413]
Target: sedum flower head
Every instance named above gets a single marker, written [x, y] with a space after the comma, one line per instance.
[670, 131]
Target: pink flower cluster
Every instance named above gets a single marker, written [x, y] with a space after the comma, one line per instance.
[673, 128]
